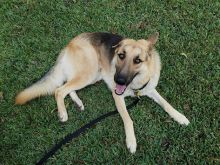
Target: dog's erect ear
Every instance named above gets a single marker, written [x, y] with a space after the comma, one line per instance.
[153, 39]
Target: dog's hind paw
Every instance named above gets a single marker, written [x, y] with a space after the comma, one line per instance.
[77, 100]
[80, 107]
[63, 116]
[131, 144]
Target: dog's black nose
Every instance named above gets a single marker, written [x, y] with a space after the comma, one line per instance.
[120, 79]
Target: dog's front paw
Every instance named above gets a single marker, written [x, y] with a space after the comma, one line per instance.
[181, 119]
[63, 116]
[131, 144]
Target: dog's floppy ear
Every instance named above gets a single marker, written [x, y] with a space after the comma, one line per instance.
[153, 39]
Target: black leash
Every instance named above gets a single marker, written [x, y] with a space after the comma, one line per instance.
[75, 134]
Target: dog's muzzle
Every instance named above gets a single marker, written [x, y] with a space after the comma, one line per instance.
[122, 82]
[121, 85]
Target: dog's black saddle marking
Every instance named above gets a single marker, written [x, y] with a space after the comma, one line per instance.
[108, 40]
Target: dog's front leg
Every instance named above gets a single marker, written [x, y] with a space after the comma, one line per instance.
[180, 118]
[128, 123]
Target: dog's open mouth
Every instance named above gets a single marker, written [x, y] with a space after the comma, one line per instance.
[120, 89]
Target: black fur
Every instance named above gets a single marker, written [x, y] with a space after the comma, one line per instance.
[108, 40]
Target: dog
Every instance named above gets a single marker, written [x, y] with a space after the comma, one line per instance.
[129, 68]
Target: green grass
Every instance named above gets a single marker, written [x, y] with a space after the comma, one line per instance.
[33, 32]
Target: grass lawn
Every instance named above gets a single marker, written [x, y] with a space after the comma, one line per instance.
[33, 32]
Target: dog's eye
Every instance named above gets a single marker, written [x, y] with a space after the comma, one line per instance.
[137, 61]
[121, 56]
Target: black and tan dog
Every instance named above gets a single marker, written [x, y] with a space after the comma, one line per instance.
[126, 65]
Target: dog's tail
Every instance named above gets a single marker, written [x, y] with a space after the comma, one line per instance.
[45, 86]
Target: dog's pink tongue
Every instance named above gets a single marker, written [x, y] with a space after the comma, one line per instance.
[120, 89]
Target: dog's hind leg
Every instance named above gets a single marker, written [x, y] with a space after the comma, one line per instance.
[61, 92]
[180, 118]
[77, 100]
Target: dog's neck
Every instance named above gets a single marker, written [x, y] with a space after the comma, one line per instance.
[142, 87]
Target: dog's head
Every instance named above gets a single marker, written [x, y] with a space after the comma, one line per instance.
[131, 56]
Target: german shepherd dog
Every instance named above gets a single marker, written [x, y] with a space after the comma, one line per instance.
[127, 66]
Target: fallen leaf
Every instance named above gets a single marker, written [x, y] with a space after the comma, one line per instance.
[184, 54]
[1, 96]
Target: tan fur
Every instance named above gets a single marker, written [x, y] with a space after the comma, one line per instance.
[86, 60]
[25, 96]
